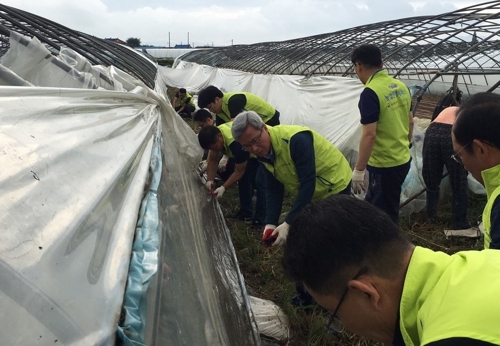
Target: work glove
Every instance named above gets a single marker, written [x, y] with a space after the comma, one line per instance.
[219, 191]
[222, 164]
[358, 181]
[210, 185]
[281, 232]
[267, 237]
[202, 166]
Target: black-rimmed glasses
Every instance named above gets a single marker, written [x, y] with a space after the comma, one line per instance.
[334, 324]
[254, 141]
[457, 157]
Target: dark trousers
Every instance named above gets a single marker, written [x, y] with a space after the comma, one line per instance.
[436, 154]
[188, 109]
[229, 169]
[253, 179]
[384, 190]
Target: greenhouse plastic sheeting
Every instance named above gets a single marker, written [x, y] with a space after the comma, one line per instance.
[76, 164]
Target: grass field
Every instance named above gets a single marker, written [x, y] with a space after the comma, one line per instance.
[264, 276]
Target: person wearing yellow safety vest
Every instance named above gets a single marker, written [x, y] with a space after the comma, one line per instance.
[228, 105]
[476, 142]
[202, 117]
[295, 158]
[384, 147]
[358, 265]
[218, 139]
[183, 103]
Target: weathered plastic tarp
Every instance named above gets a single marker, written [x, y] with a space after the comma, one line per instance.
[80, 152]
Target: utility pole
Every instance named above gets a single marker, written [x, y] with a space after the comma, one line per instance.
[188, 38]
[169, 39]
[231, 42]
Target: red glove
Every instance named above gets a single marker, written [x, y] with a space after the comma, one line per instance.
[267, 237]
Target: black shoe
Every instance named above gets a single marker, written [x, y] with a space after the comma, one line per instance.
[302, 298]
[240, 216]
[257, 224]
[301, 301]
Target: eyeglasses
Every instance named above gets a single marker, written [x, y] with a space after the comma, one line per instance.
[334, 325]
[457, 157]
[254, 141]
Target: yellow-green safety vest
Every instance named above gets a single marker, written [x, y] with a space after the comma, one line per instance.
[254, 103]
[182, 101]
[491, 178]
[333, 172]
[391, 147]
[225, 129]
[451, 297]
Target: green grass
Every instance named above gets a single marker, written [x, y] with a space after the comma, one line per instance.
[264, 276]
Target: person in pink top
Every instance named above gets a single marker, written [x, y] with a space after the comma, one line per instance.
[438, 152]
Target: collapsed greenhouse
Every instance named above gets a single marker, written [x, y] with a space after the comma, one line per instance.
[106, 222]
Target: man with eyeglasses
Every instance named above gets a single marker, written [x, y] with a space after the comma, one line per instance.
[297, 159]
[358, 265]
[229, 104]
[476, 141]
[436, 154]
[218, 139]
[387, 128]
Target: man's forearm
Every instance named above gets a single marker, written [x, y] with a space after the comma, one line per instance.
[211, 166]
[365, 150]
[234, 178]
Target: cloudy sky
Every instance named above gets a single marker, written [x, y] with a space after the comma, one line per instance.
[226, 21]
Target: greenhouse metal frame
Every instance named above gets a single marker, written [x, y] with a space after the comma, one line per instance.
[463, 46]
[55, 36]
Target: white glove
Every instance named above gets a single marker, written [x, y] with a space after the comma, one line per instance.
[358, 181]
[223, 164]
[210, 185]
[282, 232]
[219, 191]
[202, 166]
[267, 231]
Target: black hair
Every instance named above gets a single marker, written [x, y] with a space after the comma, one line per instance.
[208, 136]
[368, 55]
[208, 95]
[182, 91]
[478, 117]
[329, 240]
[202, 115]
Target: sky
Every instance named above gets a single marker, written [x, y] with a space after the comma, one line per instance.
[225, 22]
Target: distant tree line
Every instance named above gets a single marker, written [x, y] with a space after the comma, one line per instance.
[133, 42]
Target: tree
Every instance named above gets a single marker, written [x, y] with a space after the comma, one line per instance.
[133, 42]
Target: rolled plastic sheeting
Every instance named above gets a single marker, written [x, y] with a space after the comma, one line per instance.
[271, 320]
